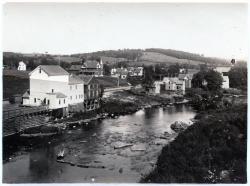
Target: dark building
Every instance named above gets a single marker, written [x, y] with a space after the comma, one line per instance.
[92, 92]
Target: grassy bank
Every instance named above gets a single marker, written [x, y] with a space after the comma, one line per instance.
[126, 102]
[213, 150]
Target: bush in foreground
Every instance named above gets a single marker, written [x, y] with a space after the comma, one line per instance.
[212, 150]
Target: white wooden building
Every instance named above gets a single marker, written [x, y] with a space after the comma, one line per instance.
[51, 85]
[21, 66]
[224, 73]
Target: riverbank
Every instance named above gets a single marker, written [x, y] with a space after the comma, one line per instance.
[126, 146]
[122, 103]
[117, 104]
[212, 150]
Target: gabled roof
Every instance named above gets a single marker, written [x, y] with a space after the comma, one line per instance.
[52, 70]
[26, 94]
[58, 94]
[90, 64]
[86, 79]
[74, 80]
[182, 76]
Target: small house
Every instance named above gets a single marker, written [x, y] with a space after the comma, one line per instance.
[224, 73]
[21, 66]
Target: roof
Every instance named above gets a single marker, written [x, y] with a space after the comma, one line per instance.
[58, 94]
[90, 64]
[222, 69]
[182, 76]
[179, 82]
[75, 67]
[52, 70]
[21, 62]
[86, 79]
[74, 80]
[26, 94]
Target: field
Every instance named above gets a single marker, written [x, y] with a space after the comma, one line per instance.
[152, 58]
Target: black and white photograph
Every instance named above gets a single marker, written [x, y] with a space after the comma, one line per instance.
[129, 92]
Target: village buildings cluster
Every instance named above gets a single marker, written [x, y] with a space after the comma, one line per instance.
[54, 87]
[79, 88]
[123, 73]
[177, 84]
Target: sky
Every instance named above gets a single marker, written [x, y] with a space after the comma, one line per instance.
[215, 30]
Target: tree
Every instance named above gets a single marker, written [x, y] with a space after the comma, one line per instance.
[238, 77]
[106, 70]
[65, 65]
[173, 69]
[198, 79]
[212, 78]
[148, 76]
[31, 65]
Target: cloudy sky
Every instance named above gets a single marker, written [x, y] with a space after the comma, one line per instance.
[217, 30]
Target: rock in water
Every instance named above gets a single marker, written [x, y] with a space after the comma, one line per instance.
[120, 170]
[60, 155]
[179, 126]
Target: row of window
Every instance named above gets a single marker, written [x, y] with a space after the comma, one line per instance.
[71, 87]
[63, 101]
[48, 101]
[77, 96]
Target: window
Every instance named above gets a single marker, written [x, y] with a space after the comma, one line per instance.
[76, 86]
[48, 102]
[59, 101]
[64, 101]
[34, 100]
[40, 70]
[52, 90]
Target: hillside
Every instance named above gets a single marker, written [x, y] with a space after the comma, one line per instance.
[155, 57]
[67, 59]
[149, 56]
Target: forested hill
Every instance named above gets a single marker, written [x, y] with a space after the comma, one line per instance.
[156, 55]
[148, 56]
[186, 55]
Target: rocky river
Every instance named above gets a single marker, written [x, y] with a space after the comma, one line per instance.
[112, 150]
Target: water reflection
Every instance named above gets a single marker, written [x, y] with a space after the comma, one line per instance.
[93, 144]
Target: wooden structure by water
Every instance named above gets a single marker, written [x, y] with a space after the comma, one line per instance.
[17, 119]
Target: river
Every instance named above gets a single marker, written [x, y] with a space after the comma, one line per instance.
[94, 145]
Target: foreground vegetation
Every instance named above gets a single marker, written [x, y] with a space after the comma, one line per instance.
[213, 150]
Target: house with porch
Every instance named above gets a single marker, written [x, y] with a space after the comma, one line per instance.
[93, 68]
